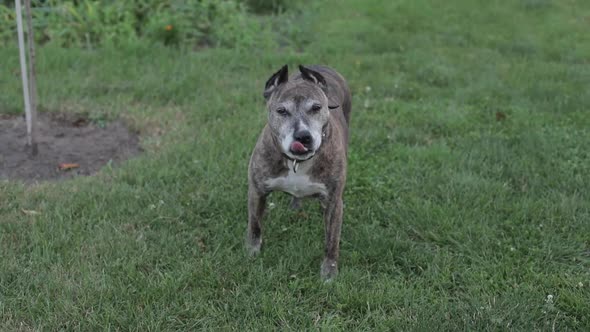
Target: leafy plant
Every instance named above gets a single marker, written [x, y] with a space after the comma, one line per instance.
[7, 24]
[91, 23]
[269, 6]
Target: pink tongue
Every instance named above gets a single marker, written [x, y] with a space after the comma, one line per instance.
[298, 147]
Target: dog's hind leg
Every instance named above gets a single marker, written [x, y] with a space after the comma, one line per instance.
[256, 207]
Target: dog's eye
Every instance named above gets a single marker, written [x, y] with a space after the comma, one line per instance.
[282, 111]
[316, 108]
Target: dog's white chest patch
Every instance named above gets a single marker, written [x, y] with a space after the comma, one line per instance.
[297, 184]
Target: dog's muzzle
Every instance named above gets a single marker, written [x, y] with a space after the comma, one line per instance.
[302, 143]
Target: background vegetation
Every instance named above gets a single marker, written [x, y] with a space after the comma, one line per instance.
[190, 23]
[467, 194]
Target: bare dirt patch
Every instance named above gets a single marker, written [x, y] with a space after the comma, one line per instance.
[63, 139]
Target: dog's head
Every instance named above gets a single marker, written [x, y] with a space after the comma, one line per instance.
[297, 111]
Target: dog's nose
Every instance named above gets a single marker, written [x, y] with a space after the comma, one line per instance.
[303, 136]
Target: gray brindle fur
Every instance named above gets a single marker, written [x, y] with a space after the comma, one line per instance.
[311, 107]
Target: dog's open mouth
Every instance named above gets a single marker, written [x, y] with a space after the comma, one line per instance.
[300, 152]
[297, 148]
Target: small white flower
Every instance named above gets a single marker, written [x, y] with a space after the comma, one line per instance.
[367, 103]
[368, 88]
[271, 205]
[161, 202]
[512, 249]
[580, 284]
[152, 206]
[549, 299]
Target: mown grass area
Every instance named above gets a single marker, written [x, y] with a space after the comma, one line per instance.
[467, 201]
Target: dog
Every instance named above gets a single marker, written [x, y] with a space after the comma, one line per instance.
[302, 151]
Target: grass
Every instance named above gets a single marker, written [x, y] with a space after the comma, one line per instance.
[467, 201]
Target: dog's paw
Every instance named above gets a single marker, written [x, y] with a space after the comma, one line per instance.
[329, 270]
[253, 246]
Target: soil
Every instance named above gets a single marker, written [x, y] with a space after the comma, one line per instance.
[63, 138]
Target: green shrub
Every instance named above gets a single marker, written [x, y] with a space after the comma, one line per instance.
[85, 23]
[189, 23]
[268, 6]
[7, 25]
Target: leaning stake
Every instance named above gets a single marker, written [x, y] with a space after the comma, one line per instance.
[32, 76]
[29, 112]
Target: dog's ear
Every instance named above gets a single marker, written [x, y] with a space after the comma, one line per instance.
[275, 80]
[313, 76]
[317, 78]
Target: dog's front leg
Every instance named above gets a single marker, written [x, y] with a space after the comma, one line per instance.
[332, 224]
[256, 207]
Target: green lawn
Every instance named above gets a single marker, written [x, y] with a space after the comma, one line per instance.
[454, 220]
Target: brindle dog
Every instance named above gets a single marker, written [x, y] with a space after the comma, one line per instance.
[302, 151]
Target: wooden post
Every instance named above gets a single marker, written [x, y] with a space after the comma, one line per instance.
[30, 112]
[32, 76]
